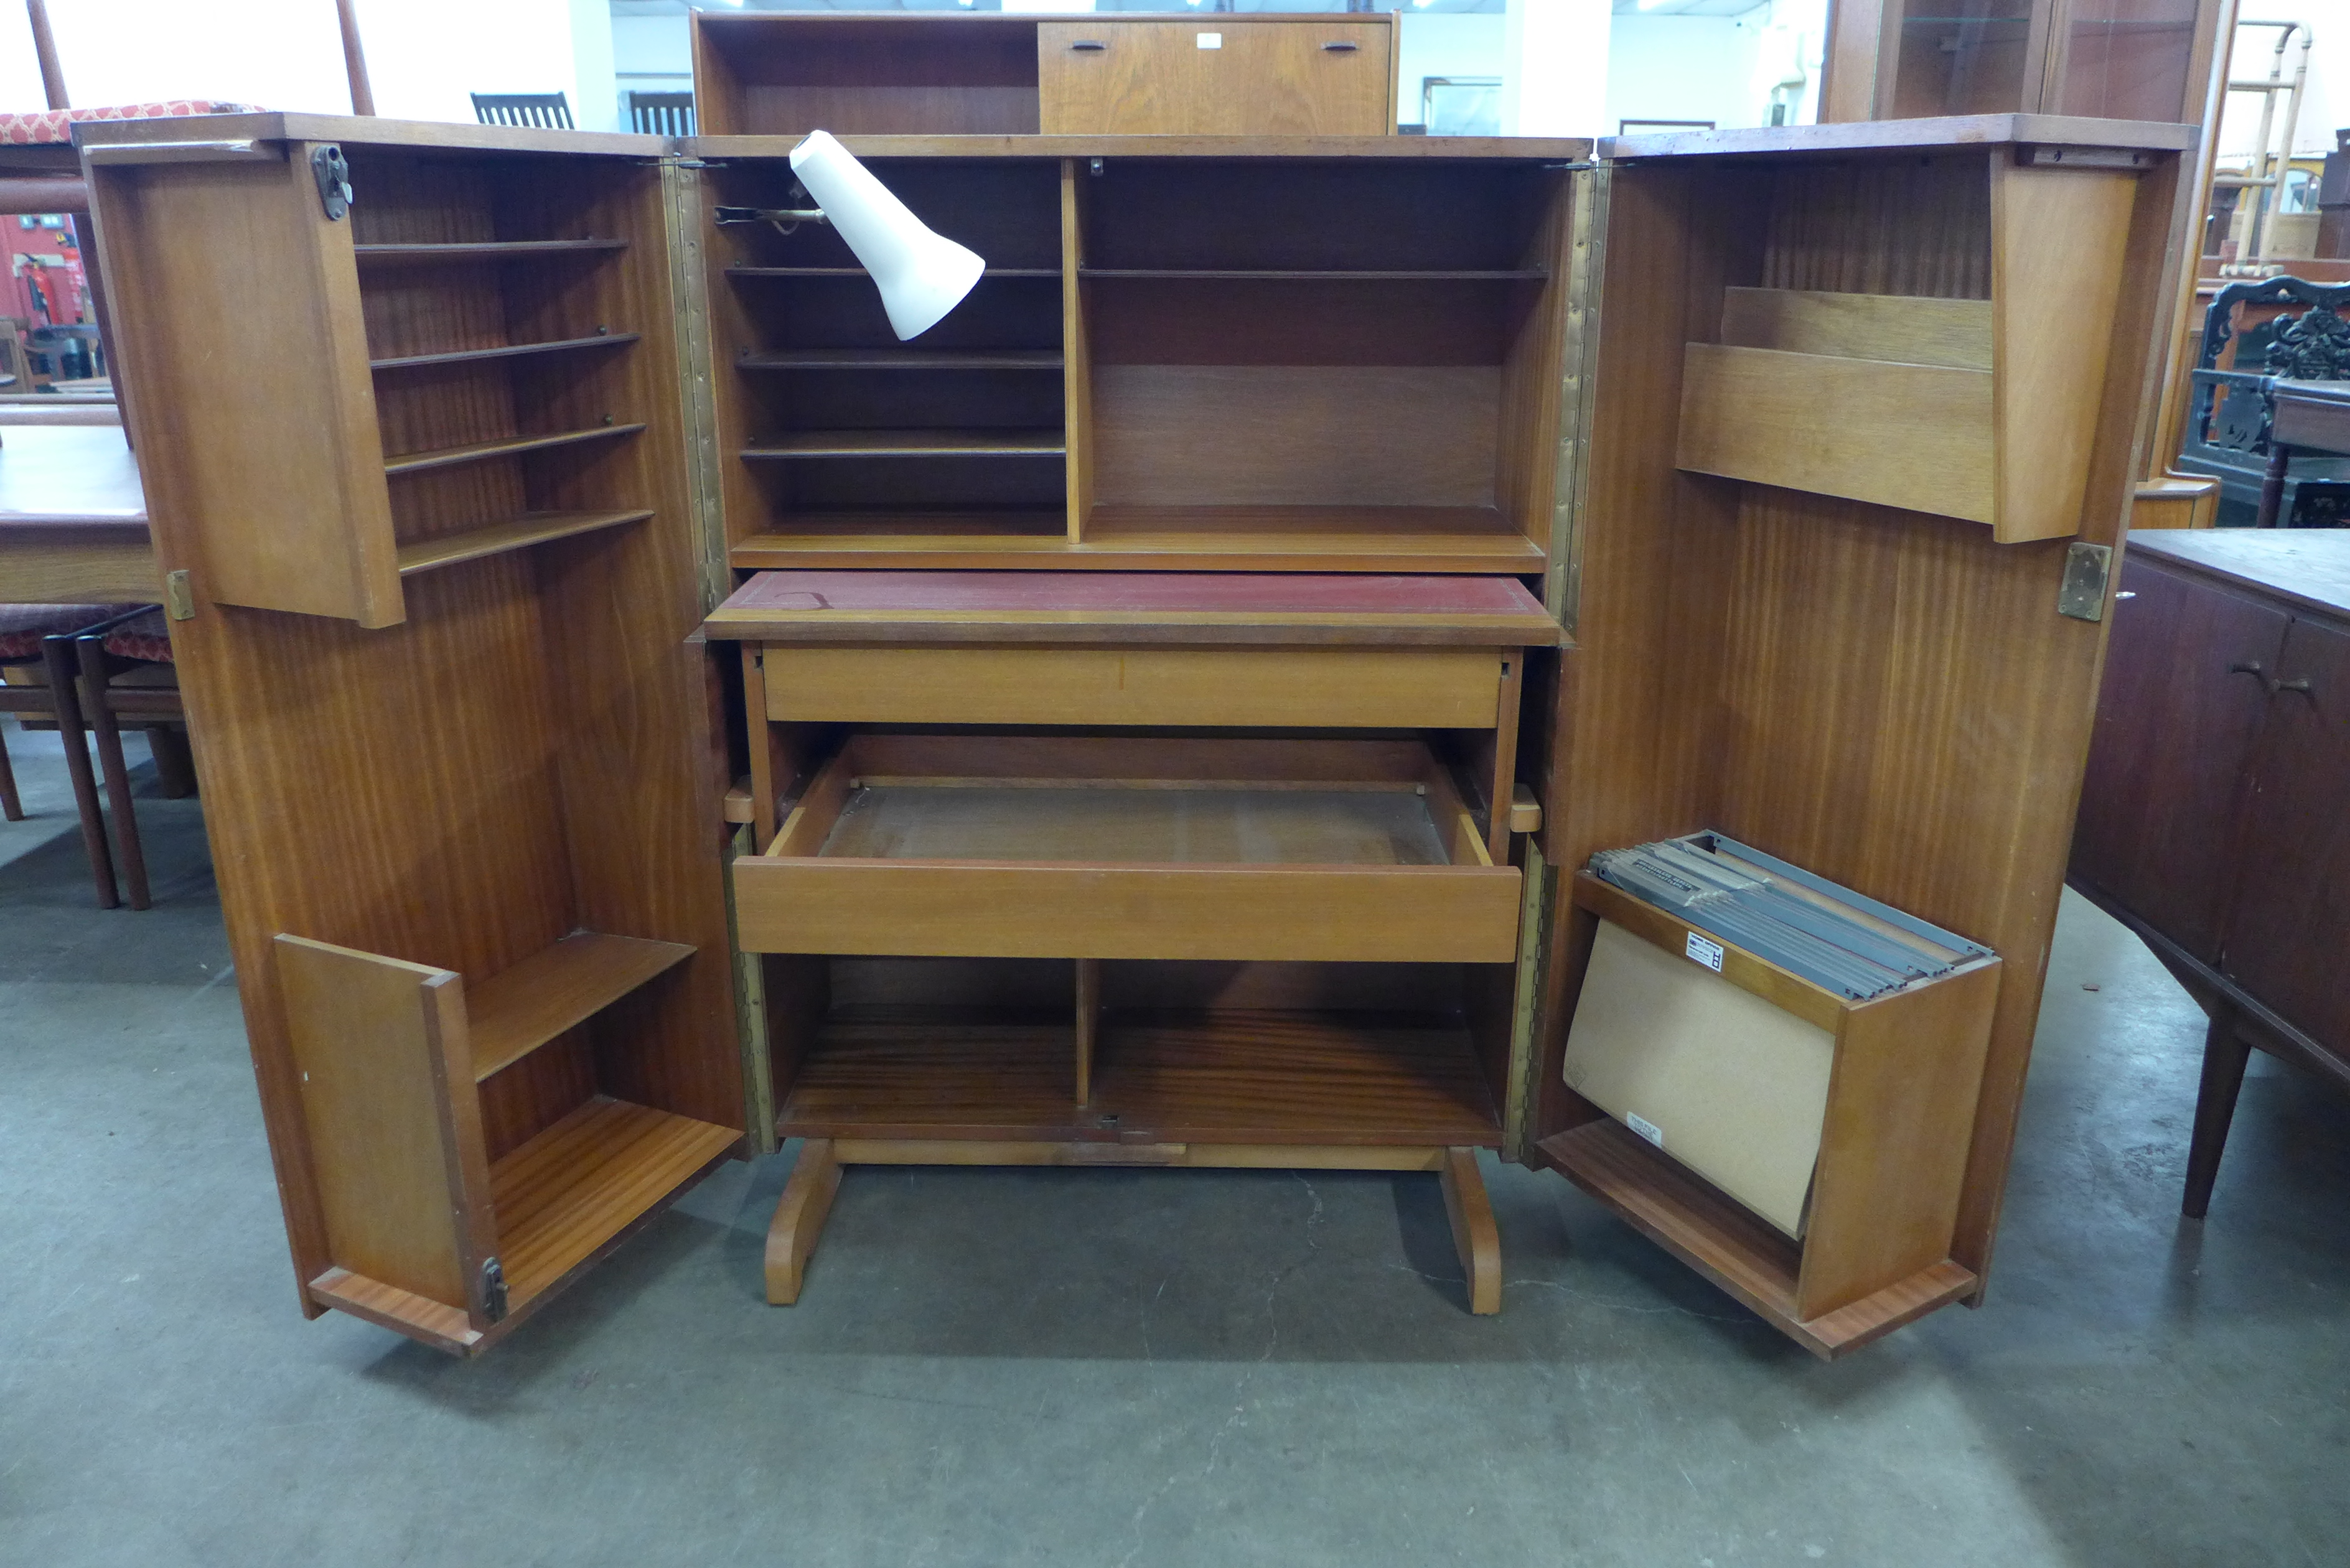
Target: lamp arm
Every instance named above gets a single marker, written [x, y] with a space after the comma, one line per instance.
[785, 219]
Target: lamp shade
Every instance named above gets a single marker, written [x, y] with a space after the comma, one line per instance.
[920, 274]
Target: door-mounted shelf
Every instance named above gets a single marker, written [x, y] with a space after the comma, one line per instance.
[429, 1234]
[503, 351]
[451, 456]
[910, 443]
[903, 359]
[1980, 409]
[513, 534]
[480, 251]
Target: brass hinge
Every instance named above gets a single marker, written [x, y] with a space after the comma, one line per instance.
[494, 1289]
[2081, 594]
[179, 598]
[334, 177]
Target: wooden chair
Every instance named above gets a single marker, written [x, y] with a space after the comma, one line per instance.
[37, 640]
[16, 363]
[545, 110]
[661, 113]
[122, 663]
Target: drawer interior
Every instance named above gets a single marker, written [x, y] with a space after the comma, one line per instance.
[946, 820]
[1141, 800]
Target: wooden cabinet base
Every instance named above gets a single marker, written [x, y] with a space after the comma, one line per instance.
[807, 1197]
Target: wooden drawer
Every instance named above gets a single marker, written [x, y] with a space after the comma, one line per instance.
[1124, 849]
[1256, 78]
[1402, 688]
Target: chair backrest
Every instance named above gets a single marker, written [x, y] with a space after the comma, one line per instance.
[544, 110]
[2253, 328]
[661, 113]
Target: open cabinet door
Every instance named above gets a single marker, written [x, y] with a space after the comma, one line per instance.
[1841, 461]
[406, 403]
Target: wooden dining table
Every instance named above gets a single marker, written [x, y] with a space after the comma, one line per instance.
[73, 518]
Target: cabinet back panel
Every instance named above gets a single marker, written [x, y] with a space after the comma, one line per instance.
[443, 500]
[1007, 211]
[432, 311]
[898, 400]
[527, 1098]
[411, 202]
[958, 109]
[833, 483]
[1046, 986]
[1246, 321]
[845, 313]
[1227, 435]
[1338, 214]
[444, 406]
[1915, 226]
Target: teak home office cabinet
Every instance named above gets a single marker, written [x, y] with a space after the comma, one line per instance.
[1168, 691]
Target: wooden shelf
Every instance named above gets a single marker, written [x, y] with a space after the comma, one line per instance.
[514, 534]
[903, 359]
[581, 1185]
[450, 456]
[503, 351]
[1730, 1247]
[1243, 538]
[1348, 274]
[1224, 1078]
[910, 443]
[860, 271]
[516, 1011]
[481, 250]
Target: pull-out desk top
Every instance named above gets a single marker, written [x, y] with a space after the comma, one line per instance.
[1133, 606]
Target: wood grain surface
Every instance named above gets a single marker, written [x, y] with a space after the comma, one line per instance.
[581, 1185]
[1219, 1078]
[1436, 688]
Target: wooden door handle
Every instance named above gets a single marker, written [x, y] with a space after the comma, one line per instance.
[1089, 44]
[1342, 48]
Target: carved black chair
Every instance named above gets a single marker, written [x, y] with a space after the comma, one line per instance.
[2230, 411]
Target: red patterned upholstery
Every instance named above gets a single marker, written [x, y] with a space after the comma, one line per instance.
[32, 128]
[146, 638]
[22, 627]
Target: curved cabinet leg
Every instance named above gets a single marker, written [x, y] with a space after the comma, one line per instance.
[2224, 1055]
[1475, 1236]
[799, 1219]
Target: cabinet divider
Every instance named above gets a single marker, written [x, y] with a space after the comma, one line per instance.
[1077, 414]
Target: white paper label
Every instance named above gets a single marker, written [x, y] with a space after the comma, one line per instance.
[1645, 1128]
[1211, 40]
[1705, 952]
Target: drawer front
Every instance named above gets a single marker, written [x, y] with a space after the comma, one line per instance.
[1258, 78]
[1423, 688]
[1399, 914]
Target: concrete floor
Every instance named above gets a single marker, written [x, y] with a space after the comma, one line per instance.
[1133, 1368]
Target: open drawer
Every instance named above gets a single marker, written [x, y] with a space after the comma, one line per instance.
[1118, 847]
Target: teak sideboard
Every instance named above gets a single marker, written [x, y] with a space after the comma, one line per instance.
[1165, 695]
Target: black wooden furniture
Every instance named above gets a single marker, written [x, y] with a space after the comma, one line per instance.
[2211, 820]
[2278, 327]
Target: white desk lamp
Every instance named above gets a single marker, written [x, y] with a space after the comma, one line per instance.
[921, 275]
